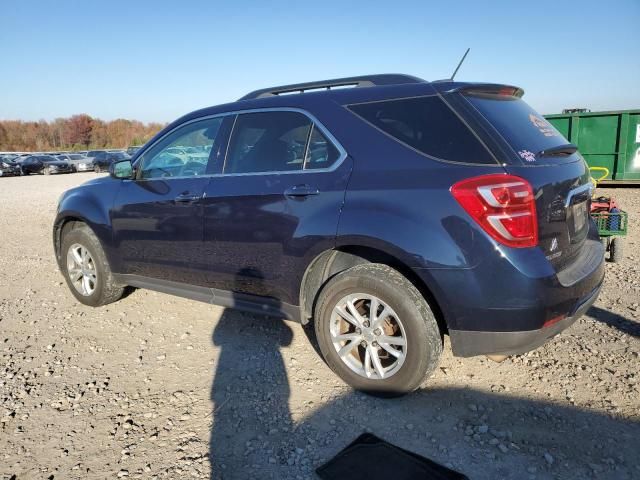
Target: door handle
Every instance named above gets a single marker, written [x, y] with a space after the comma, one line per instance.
[301, 191]
[187, 197]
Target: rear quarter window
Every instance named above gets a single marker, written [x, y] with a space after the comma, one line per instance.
[428, 125]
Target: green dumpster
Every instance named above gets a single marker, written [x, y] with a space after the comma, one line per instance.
[605, 139]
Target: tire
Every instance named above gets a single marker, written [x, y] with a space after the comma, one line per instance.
[615, 250]
[105, 289]
[411, 319]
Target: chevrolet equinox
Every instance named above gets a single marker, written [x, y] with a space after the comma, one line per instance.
[387, 210]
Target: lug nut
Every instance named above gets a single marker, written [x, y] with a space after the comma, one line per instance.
[358, 331]
[375, 344]
[366, 323]
[363, 344]
[377, 331]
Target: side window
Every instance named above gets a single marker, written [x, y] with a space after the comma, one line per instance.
[321, 153]
[428, 125]
[268, 142]
[183, 152]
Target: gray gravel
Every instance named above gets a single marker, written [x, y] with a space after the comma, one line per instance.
[159, 387]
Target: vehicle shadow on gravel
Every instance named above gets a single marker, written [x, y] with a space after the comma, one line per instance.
[484, 435]
[614, 320]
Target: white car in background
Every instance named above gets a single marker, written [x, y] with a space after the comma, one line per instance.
[79, 162]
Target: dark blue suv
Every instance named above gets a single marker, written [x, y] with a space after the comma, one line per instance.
[387, 210]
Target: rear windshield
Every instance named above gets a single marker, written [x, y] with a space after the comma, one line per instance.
[522, 127]
[427, 125]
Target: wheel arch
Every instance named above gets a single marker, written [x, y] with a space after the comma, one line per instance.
[60, 226]
[87, 206]
[331, 262]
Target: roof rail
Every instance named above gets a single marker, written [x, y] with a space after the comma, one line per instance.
[361, 81]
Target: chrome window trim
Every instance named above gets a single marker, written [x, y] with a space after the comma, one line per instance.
[306, 147]
[315, 122]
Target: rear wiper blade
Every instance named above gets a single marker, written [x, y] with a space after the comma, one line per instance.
[559, 151]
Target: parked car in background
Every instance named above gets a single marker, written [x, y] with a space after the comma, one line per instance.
[44, 164]
[8, 167]
[79, 162]
[103, 160]
[91, 154]
[133, 149]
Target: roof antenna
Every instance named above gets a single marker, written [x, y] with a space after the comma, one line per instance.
[458, 67]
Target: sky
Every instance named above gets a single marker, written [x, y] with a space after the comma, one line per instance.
[157, 60]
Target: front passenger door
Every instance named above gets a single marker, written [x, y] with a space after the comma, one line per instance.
[158, 217]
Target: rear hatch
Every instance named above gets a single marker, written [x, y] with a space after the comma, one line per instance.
[536, 151]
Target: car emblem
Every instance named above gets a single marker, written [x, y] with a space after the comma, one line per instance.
[554, 244]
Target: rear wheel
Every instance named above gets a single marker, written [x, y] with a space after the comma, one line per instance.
[46, 171]
[97, 169]
[615, 250]
[376, 331]
[85, 268]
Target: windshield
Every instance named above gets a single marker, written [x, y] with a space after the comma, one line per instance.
[528, 132]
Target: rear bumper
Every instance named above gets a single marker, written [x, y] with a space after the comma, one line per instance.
[501, 306]
[468, 343]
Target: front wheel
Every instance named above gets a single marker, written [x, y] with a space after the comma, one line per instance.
[376, 331]
[85, 268]
[97, 169]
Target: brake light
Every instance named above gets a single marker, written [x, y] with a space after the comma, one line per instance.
[503, 205]
[508, 91]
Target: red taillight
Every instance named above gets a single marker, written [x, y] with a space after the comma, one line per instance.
[503, 205]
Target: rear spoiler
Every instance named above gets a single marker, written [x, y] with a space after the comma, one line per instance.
[489, 89]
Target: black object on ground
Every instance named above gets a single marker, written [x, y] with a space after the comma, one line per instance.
[371, 458]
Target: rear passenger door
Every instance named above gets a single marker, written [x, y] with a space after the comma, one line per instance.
[276, 204]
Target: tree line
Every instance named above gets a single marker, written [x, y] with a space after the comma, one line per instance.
[79, 132]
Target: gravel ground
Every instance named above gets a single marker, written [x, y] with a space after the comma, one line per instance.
[156, 386]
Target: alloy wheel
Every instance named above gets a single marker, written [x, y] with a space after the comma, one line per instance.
[368, 336]
[81, 269]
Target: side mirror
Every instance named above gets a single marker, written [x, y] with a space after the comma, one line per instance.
[121, 170]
